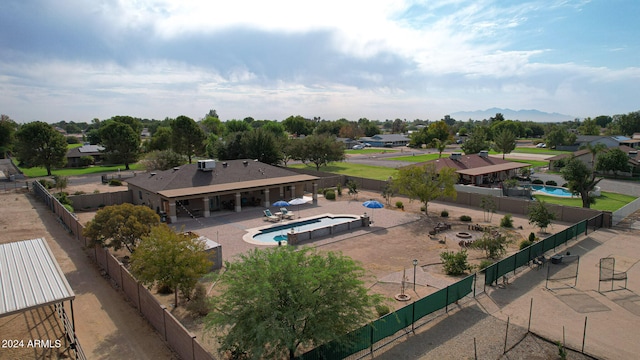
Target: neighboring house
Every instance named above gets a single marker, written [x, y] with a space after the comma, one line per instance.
[477, 169]
[386, 140]
[210, 185]
[586, 157]
[348, 142]
[75, 155]
[583, 140]
[145, 133]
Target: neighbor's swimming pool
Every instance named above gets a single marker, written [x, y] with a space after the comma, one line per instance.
[552, 190]
[279, 232]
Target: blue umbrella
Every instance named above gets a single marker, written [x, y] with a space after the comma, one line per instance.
[280, 203]
[373, 204]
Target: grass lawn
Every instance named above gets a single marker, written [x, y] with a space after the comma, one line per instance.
[359, 170]
[40, 171]
[607, 202]
[534, 163]
[73, 146]
[369, 151]
[418, 158]
[528, 150]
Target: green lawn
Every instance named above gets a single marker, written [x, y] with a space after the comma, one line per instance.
[73, 146]
[40, 171]
[528, 150]
[607, 202]
[359, 170]
[417, 158]
[369, 151]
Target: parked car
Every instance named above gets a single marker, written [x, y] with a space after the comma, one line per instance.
[358, 147]
[367, 145]
[541, 145]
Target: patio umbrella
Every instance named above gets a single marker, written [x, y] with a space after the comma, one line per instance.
[298, 202]
[373, 204]
[280, 203]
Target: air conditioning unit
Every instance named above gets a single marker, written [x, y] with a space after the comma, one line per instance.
[206, 165]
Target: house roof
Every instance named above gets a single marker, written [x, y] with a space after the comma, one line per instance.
[575, 153]
[474, 164]
[386, 137]
[225, 176]
[492, 168]
[30, 277]
[85, 150]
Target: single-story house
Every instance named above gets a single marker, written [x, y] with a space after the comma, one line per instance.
[75, 155]
[348, 142]
[477, 169]
[199, 189]
[586, 157]
[583, 140]
[386, 140]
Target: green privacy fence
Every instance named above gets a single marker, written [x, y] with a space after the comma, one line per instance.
[388, 325]
[524, 256]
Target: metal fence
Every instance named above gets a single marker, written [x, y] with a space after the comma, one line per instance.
[172, 331]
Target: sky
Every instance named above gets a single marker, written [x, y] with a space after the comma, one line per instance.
[76, 60]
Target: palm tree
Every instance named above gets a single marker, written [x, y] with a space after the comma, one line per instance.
[440, 145]
[594, 149]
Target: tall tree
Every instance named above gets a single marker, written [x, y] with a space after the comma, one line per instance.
[425, 183]
[119, 226]
[213, 125]
[614, 160]
[504, 142]
[398, 126]
[121, 142]
[440, 145]
[589, 127]
[262, 145]
[8, 130]
[594, 150]
[161, 139]
[540, 215]
[580, 180]
[39, 144]
[477, 141]
[319, 150]
[298, 125]
[167, 258]
[276, 301]
[188, 138]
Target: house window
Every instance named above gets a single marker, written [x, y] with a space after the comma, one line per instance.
[140, 194]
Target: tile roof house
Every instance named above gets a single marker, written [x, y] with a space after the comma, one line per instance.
[75, 155]
[583, 140]
[585, 156]
[209, 186]
[386, 140]
[477, 169]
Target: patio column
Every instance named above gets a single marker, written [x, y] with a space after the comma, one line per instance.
[172, 211]
[293, 191]
[315, 193]
[238, 199]
[266, 198]
[281, 191]
[205, 202]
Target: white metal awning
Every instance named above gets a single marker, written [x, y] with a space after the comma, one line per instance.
[30, 277]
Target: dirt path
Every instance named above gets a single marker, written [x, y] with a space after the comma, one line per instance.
[106, 325]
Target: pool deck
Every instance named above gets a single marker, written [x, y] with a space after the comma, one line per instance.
[228, 228]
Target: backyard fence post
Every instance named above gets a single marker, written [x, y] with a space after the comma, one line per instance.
[584, 334]
[530, 311]
[475, 283]
[506, 334]
[475, 349]
[413, 317]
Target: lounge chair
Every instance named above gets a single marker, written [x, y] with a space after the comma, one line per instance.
[270, 217]
[287, 214]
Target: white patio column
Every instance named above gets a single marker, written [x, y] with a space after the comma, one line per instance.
[206, 212]
[315, 194]
[238, 200]
[281, 192]
[293, 191]
[172, 211]
[266, 198]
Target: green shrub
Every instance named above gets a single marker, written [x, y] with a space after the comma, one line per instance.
[68, 207]
[524, 244]
[506, 221]
[537, 182]
[79, 193]
[455, 263]
[46, 183]
[399, 205]
[96, 191]
[485, 263]
[198, 305]
[382, 309]
[62, 197]
[115, 182]
[551, 183]
[466, 218]
[444, 213]
[330, 195]
[564, 185]
[532, 237]
[339, 189]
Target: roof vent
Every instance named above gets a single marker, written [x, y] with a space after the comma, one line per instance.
[176, 168]
[225, 164]
[153, 174]
[455, 156]
[245, 163]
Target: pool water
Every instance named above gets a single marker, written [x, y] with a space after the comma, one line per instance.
[551, 190]
[279, 232]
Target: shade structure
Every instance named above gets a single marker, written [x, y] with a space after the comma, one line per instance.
[372, 204]
[280, 203]
[298, 202]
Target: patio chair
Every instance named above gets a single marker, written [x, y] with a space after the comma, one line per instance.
[270, 217]
[286, 213]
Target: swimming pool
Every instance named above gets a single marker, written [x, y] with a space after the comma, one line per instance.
[552, 190]
[305, 229]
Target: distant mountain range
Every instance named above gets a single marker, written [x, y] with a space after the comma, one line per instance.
[522, 115]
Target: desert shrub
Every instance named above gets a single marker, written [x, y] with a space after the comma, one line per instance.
[115, 182]
[466, 218]
[330, 195]
[444, 213]
[493, 246]
[455, 263]
[537, 182]
[382, 310]
[79, 193]
[164, 289]
[551, 183]
[63, 198]
[532, 237]
[399, 205]
[506, 221]
[199, 303]
[339, 189]
[46, 183]
[485, 263]
[96, 191]
[68, 207]
[524, 244]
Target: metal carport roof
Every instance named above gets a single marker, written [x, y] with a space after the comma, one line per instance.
[30, 277]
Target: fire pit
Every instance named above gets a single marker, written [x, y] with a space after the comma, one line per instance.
[463, 235]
